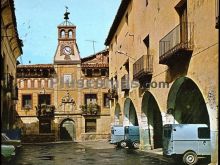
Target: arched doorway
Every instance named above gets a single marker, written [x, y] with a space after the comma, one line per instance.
[151, 130]
[130, 115]
[186, 103]
[67, 130]
[117, 114]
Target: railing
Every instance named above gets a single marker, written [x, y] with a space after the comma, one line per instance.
[180, 38]
[44, 110]
[15, 93]
[143, 66]
[125, 82]
[7, 82]
[90, 109]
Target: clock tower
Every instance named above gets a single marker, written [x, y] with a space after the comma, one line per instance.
[67, 64]
[67, 50]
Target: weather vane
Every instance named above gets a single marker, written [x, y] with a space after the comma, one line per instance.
[66, 17]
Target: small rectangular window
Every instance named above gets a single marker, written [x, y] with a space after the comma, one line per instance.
[44, 99]
[203, 133]
[27, 101]
[103, 72]
[106, 100]
[90, 98]
[90, 125]
[67, 79]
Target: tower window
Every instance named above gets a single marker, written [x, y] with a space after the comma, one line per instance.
[70, 34]
[62, 34]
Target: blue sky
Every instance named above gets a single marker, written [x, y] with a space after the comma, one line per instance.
[37, 22]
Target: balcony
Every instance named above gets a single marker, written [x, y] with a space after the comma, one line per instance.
[7, 82]
[91, 109]
[177, 44]
[125, 83]
[45, 111]
[143, 67]
[15, 93]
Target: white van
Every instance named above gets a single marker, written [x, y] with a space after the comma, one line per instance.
[186, 141]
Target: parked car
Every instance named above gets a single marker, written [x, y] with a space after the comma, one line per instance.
[125, 136]
[7, 141]
[186, 142]
[7, 152]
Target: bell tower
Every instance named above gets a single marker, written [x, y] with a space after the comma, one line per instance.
[67, 50]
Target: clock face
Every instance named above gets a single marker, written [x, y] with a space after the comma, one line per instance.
[67, 50]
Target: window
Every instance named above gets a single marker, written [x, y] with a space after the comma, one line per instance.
[203, 133]
[67, 79]
[103, 72]
[90, 125]
[62, 34]
[70, 34]
[44, 99]
[27, 101]
[89, 72]
[90, 98]
[106, 100]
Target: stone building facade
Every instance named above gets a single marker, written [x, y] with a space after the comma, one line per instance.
[64, 100]
[11, 49]
[163, 57]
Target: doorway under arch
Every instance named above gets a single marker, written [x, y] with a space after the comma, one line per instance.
[152, 126]
[67, 130]
[186, 103]
[130, 115]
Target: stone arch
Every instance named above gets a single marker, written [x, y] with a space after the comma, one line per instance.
[152, 126]
[186, 103]
[117, 114]
[67, 130]
[130, 115]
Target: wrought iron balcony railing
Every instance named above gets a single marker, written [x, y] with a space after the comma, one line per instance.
[7, 82]
[45, 110]
[90, 109]
[125, 82]
[15, 93]
[177, 41]
[143, 67]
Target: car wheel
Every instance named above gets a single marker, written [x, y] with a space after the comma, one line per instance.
[190, 158]
[135, 145]
[123, 144]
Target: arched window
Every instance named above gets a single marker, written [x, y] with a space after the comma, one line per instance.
[70, 34]
[62, 34]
